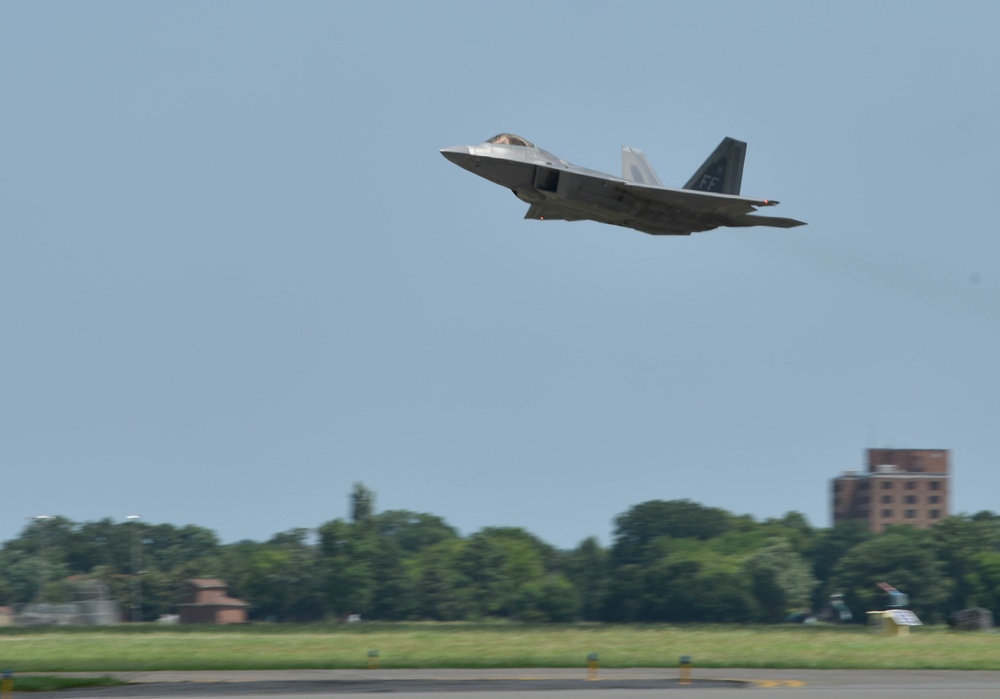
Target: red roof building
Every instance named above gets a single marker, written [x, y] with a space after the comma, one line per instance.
[206, 602]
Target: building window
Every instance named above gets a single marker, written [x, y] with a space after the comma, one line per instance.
[935, 514]
[910, 514]
[886, 498]
[887, 513]
[863, 485]
[911, 485]
[910, 499]
[836, 502]
[935, 485]
[933, 499]
[886, 485]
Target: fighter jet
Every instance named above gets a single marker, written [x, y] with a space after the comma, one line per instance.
[558, 190]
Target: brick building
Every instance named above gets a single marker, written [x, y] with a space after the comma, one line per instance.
[901, 486]
[206, 602]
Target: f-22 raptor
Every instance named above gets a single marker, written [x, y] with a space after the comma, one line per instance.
[558, 190]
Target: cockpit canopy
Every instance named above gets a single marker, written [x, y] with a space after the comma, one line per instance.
[509, 139]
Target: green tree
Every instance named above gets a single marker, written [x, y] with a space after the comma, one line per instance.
[395, 583]
[905, 558]
[623, 601]
[279, 579]
[638, 528]
[670, 590]
[160, 595]
[167, 547]
[794, 528]
[959, 541]
[828, 547]
[553, 599]
[412, 531]
[441, 592]
[347, 553]
[586, 567]
[102, 543]
[693, 582]
[21, 575]
[724, 598]
[982, 581]
[362, 504]
[496, 563]
[780, 579]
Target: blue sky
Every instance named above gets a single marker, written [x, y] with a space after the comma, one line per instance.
[236, 276]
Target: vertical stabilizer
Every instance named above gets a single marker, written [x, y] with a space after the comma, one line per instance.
[722, 173]
[635, 168]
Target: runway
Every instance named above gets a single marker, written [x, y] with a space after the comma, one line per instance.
[550, 684]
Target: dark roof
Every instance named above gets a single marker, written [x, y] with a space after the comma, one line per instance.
[220, 602]
[207, 583]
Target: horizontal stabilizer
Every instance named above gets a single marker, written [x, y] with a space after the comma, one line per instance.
[775, 221]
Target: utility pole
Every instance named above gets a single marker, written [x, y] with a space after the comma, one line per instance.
[136, 568]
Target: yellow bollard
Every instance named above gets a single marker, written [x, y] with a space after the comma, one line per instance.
[685, 669]
[373, 660]
[593, 663]
[7, 684]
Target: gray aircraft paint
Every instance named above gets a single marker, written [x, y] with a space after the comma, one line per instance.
[558, 190]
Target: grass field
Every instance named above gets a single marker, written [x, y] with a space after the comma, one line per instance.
[150, 647]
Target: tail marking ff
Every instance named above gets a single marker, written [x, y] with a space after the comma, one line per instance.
[722, 173]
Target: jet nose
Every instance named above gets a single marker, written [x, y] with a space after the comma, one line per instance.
[460, 155]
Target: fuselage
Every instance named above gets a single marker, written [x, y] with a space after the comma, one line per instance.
[538, 177]
[557, 189]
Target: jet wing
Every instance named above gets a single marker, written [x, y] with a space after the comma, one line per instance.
[650, 209]
[693, 200]
[548, 213]
[731, 210]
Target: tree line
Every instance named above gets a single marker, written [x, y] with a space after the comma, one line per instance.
[669, 561]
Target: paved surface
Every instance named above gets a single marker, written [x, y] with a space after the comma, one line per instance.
[550, 684]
